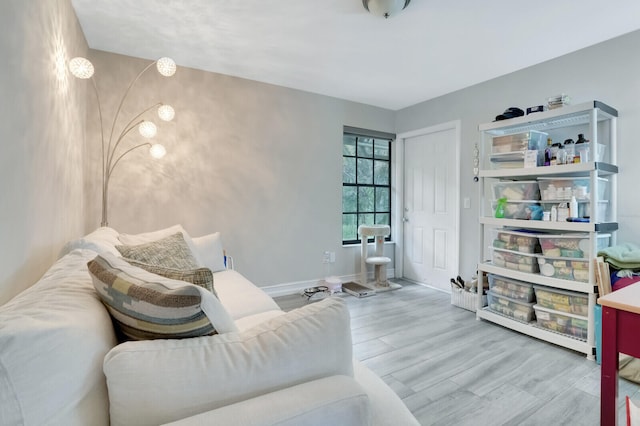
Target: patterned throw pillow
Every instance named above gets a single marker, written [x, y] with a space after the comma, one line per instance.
[202, 277]
[147, 306]
[170, 252]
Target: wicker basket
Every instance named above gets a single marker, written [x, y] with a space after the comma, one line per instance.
[465, 299]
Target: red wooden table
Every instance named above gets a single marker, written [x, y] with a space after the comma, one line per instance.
[620, 334]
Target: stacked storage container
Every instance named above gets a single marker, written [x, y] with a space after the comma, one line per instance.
[554, 191]
[508, 151]
[520, 196]
[511, 298]
[562, 311]
[516, 250]
[567, 256]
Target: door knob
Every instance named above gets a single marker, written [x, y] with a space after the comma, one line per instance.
[404, 219]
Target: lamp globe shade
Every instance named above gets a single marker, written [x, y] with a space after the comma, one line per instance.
[166, 66]
[147, 129]
[81, 67]
[157, 151]
[166, 112]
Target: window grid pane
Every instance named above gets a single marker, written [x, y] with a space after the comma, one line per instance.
[366, 177]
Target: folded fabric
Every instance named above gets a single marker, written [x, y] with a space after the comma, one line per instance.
[622, 256]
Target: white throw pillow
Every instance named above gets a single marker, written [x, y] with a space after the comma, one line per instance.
[210, 251]
[101, 240]
[158, 381]
[147, 237]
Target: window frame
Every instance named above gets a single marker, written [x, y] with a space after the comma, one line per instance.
[376, 135]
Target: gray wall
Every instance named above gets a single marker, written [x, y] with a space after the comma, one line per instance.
[260, 163]
[609, 72]
[41, 134]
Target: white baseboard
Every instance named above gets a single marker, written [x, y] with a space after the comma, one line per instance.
[299, 286]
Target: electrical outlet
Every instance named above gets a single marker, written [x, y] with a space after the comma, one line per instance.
[326, 257]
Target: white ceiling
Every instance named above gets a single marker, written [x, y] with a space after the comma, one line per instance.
[336, 48]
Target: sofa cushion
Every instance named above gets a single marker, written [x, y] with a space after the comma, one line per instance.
[202, 277]
[171, 252]
[101, 240]
[335, 400]
[210, 251]
[159, 381]
[148, 306]
[386, 406]
[240, 296]
[53, 339]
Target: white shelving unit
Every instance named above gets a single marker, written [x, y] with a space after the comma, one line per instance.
[598, 122]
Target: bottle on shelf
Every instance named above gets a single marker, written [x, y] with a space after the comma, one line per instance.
[573, 207]
[547, 153]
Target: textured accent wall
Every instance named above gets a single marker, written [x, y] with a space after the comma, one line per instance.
[42, 116]
[260, 163]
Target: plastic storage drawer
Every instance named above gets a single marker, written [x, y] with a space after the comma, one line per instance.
[519, 142]
[516, 261]
[559, 189]
[562, 300]
[561, 322]
[513, 289]
[522, 210]
[520, 311]
[564, 268]
[521, 241]
[571, 245]
[516, 190]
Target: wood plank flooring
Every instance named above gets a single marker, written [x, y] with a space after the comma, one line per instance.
[451, 369]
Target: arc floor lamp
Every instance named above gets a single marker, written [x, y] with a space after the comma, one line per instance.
[83, 68]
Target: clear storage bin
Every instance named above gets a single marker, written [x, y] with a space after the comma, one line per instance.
[514, 260]
[584, 209]
[571, 245]
[583, 151]
[562, 300]
[513, 289]
[519, 142]
[560, 189]
[564, 268]
[516, 190]
[512, 308]
[561, 322]
[522, 210]
[521, 241]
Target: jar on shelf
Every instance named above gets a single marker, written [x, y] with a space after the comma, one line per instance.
[582, 149]
[570, 148]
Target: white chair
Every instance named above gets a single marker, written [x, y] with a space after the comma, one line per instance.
[379, 261]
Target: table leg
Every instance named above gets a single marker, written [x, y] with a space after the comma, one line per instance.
[609, 368]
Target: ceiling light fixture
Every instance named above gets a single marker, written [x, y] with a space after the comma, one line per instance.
[385, 8]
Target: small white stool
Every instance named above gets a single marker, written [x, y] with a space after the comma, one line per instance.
[379, 261]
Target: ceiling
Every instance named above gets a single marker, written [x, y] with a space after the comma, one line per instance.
[337, 48]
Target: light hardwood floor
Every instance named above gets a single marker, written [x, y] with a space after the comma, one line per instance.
[451, 369]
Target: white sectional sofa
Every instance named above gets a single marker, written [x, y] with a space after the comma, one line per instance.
[61, 363]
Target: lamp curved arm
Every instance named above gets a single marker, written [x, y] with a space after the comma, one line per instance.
[127, 128]
[126, 93]
[121, 156]
[95, 89]
[112, 152]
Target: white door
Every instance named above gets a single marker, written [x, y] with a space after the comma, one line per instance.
[430, 213]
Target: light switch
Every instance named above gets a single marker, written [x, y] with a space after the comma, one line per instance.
[467, 202]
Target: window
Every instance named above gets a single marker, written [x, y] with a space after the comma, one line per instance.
[366, 181]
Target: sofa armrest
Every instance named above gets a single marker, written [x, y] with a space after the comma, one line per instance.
[335, 400]
[159, 381]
